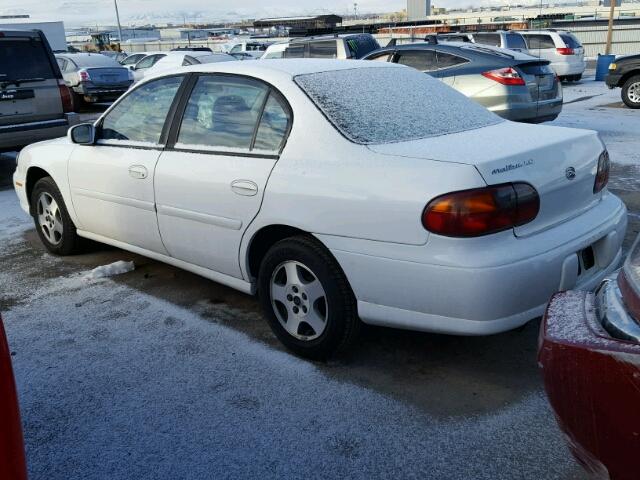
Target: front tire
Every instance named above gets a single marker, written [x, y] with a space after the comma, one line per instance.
[307, 299]
[53, 223]
[631, 92]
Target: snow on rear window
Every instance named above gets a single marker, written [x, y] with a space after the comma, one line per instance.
[392, 104]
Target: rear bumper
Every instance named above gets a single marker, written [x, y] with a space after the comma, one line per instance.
[101, 92]
[480, 294]
[589, 375]
[563, 69]
[13, 137]
[547, 110]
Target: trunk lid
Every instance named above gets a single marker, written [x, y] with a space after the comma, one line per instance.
[108, 76]
[541, 80]
[561, 163]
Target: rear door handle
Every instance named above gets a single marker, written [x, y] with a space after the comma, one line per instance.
[244, 187]
[138, 171]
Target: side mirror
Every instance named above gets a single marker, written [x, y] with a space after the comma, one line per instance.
[132, 67]
[83, 134]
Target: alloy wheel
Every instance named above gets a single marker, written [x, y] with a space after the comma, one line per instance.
[633, 92]
[49, 218]
[299, 300]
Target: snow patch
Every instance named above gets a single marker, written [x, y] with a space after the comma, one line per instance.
[115, 268]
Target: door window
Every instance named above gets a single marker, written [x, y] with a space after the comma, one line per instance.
[222, 113]
[492, 39]
[423, 60]
[140, 116]
[148, 62]
[382, 57]
[448, 60]
[515, 41]
[536, 42]
[323, 49]
[273, 126]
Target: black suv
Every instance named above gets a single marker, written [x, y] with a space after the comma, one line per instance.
[625, 73]
[35, 103]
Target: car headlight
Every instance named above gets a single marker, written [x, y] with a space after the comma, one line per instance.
[613, 66]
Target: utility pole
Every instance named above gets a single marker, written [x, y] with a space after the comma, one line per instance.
[607, 50]
[115, 3]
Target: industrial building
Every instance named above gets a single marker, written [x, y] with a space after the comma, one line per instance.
[301, 23]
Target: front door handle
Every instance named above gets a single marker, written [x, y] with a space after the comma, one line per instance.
[244, 187]
[138, 171]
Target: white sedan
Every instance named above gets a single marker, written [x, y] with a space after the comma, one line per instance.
[339, 192]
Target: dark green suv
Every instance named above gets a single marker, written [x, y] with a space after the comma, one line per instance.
[35, 103]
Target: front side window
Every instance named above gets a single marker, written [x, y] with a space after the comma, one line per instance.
[148, 62]
[324, 49]
[222, 113]
[515, 40]
[132, 59]
[139, 117]
[423, 60]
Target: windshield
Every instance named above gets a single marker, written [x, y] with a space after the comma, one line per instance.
[24, 59]
[368, 107]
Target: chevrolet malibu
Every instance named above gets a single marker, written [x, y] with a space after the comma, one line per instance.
[336, 196]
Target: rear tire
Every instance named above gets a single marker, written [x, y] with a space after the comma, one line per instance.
[53, 223]
[307, 299]
[631, 92]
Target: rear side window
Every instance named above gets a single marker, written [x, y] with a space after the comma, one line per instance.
[295, 50]
[570, 41]
[367, 107]
[361, 45]
[324, 49]
[24, 59]
[448, 60]
[492, 39]
[536, 42]
[222, 112]
[273, 126]
[423, 60]
[515, 40]
[140, 116]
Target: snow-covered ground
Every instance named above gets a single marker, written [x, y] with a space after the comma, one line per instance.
[116, 383]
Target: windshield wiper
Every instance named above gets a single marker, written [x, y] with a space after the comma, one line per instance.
[18, 81]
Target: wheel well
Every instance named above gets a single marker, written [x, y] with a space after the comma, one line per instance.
[33, 175]
[264, 239]
[627, 76]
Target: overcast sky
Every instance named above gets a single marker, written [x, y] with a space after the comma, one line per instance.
[75, 12]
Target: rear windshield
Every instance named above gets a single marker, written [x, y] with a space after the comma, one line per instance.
[96, 60]
[366, 105]
[515, 40]
[24, 59]
[570, 40]
[361, 45]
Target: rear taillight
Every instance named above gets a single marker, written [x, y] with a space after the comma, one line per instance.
[602, 175]
[505, 76]
[565, 51]
[481, 211]
[65, 97]
[84, 75]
